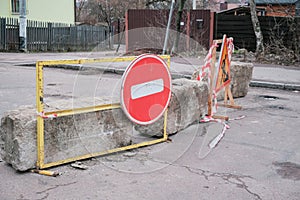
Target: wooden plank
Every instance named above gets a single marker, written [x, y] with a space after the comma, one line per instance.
[230, 106]
[226, 118]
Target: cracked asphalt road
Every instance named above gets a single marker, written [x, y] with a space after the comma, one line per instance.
[258, 158]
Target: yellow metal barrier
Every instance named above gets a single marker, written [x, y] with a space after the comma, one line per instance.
[59, 113]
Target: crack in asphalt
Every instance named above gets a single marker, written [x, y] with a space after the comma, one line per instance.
[229, 177]
[52, 188]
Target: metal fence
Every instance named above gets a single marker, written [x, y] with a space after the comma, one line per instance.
[46, 36]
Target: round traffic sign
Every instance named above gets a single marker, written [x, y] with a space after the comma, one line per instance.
[146, 89]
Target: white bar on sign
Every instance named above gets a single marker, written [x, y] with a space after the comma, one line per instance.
[147, 88]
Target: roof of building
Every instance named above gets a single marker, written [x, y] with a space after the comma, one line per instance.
[233, 1]
[244, 10]
[259, 2]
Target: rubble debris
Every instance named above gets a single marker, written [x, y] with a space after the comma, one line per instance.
[79, 165]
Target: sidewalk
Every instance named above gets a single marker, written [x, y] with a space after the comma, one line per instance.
[276, 76]
[264, 75]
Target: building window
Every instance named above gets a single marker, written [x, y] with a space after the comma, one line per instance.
[15, 8]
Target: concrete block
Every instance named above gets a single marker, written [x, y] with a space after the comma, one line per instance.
[71, 136]
[188, 104]
[65, 137]
[18, 138]
[241, 75]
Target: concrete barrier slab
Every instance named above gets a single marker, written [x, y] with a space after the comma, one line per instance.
[71, 136]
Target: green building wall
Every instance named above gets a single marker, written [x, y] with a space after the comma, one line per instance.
[43, 10]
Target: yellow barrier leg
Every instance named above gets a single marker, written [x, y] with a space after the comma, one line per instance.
[40, 110]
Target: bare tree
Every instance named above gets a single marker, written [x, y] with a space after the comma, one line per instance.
[80, 4]
[282, 45]
[158, 4]
[260, 51]
[108, 12]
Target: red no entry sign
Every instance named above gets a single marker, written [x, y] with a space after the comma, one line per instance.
[146, 89]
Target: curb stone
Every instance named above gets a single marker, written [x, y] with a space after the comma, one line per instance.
[253, 83]
[267, 84]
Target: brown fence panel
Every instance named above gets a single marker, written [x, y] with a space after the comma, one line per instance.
[146, 29]
[200, 28]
